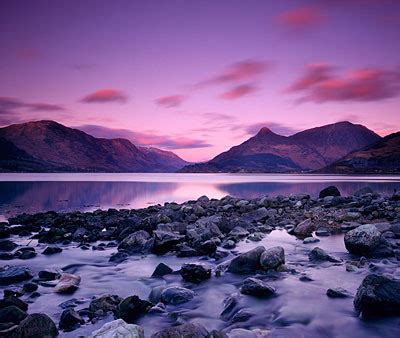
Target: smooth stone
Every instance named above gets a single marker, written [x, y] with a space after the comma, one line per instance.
[256, 287]
[118, 328]
[195, 273]
[309, 240]
[51, 250]
[272, 258]
[118, 257]
[137, 242]
[68, 283]
[176, 295]
[329, 191]
[7, 245]
[48, 275]
[338, 293]
[14, 274]
[13, 300]
[70, 320]
[187, 330]
[30, 287]
[304, 229]
[247, 262]
[132, 307]
[319, 255]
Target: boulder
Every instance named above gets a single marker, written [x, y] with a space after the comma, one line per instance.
[185, 330]
[14, 274]
[12, 314]
[162, 270]
[138, 242]
[13, 300]
[338, 293]
[118, 328]
[329, 191]
[70, 320]
[272, 258]
[195, 273]
[185, 250]
[48, 275]
[366, 240]
[256, 287]
[51, 250]
[37, 325]
[7, 245]
[378, 296]
[68, 283]
[247, 262]
[106, 303]
[304, 229]
[176, 295]
[118, 257]
[132, 307]
[165, 241]
[318, 255]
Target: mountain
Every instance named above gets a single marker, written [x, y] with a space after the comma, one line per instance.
[50, 146]
[307, 150]
[164, 157]
[380, 157]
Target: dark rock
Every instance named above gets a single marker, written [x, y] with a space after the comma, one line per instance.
[14, 274]
[230, 304]
[162, 270]
[138, 242]
[48, 275]
[272, 258]
[37, 325]
[338, 293]
[317, 255]
[165, 241]
[256, 287]
[7, 245]
[329, 191]
[187, 330]
[207, 247]
[13, 300]
[51, 250]
[6, 256]
[304, 229]
[25, 253]
[12, 314]
[30, 287]
[13, 291]
[106, 303]
[378, 296]
[195, 273]
[185, 250]
[118, 257]
[70, 320]
[176, 295]
[132, 308]
[247, 262]
[242, 315]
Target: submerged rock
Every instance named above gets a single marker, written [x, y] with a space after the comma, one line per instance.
[195, 273]
[338, 293]
[118, 328]
[176, 295]
[14, 274]
[51, 250]
[162, 270]
[187, 330]
[247, 262]
[132, 308]
[256, 287]
[272, 258]
[68, 283]
[319, 255]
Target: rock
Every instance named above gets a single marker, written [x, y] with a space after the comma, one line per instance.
[14, 274]
[309, 240]
[132, 307]
[37, 325]
[176, 295]
[6, 256]
[185, 250]
[378, 296]
[272, 258]
[118, 257]
[322, 232]
[317, 255]
[118, 328]
[195, 273]
[70, 320]
[208, 247]
[230, 304]
[138, 242]
[187, 330]
[363, 191]
[13, 300]
[242, 315]
[51, 250]
[247, 262]
[7, 245]
[30, 287]
[162, 270]
[238, 232]
[68, 283]
[329, 191]
[229, 244]
[366, 240]
[106, 303]
[256, 287]
[12, 314]
[338, 293]
[304, 229]
[165, 241]
[305, 278]
[155, 294]
[48, 275]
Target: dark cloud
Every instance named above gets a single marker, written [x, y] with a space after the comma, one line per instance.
[239, 91]
[145, 138]
[319, 83]
[105, 96]
[170, 101]
[301, 18]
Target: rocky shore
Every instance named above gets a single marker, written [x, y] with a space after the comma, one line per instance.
[207, 235]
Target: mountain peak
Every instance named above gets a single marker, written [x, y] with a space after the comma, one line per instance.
[265, 131]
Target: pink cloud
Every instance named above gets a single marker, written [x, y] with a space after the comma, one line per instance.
[105, 96]
[170, 101]
[239, 91]
[302, 17]
[40, 106]
[320, 84]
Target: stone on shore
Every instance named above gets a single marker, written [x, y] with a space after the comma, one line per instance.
[318, 255]
[70, 320]
[162, 270]
[12, 314]
[338, 293]
[195, 273]
[68, 283]
[105, 303]
[256, 287]
[138, 242]
[14, 274]
[304, 229]
[187, 330]
[118, 328]
[329, 191]
[176, 295]
[37, 325]
[272, 258]
[132, 307]
[51, 250]
[7, 245]
[247, 262]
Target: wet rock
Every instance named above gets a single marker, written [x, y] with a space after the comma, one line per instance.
[309, 240]
[256, 287]
[25, 253]
[6, 256]
[366, 240]
[378, 296]
[238, 232]
[158, 308]
[230, 303]
[229, 244]
[329, 191]
[13, 300]
[70, 320]
[118, 257]
[185, 250]
[305, 278]
[48, 275]
[242, 315]
[162, 270]
[185, 330]
[138, 242]
[13, 291]
[322, 232]
[304, 229]
[195, 273]
[132, 307]
[208, 247]
[338, 293]
[12, 314]
[217, 334]
[165, 241]
[106, 303]
[51, 250]
[317, 255]
[118, 328]
[247, 262]
[30, 287]
[176, 295]
[155, 294]
[272, 258]
[7, 245]
[37, 325]
[14, 274]
[68, 283]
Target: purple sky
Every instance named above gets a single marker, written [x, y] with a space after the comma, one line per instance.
[198, 77]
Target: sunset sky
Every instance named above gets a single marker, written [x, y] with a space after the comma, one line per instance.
[197, 77]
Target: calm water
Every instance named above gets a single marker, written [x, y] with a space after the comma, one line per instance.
[40, 192]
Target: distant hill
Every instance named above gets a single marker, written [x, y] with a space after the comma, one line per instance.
[380, 157]
[50, 146]
[305, 151]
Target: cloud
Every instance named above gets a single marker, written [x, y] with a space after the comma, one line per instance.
[217, 117]
[254, 128]
[105, 96]
[239, 91]
[44, 107]
[145, 138]
[170, 101]
[10, 103]
[301, 18]
[319, 83]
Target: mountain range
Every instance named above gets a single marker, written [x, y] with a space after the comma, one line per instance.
[343, 147]
[51, 147]
[305, 151]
